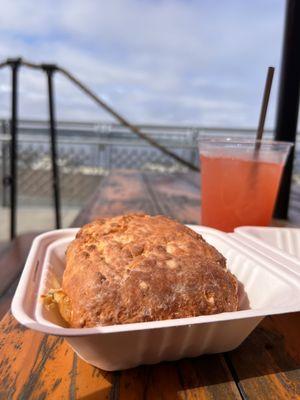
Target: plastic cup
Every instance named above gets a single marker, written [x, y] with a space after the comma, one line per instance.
[240, 179]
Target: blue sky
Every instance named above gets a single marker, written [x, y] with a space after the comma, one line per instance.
[187, 62]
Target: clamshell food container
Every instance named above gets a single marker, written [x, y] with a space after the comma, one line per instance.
[283, 243]
[267, 285]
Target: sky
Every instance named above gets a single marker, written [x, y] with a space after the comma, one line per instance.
[178, 62]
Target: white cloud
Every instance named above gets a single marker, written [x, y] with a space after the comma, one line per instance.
[29, 17]
[167, 61]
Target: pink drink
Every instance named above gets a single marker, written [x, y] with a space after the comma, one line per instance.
[239, 184]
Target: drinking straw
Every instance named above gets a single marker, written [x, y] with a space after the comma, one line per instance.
[264, 106]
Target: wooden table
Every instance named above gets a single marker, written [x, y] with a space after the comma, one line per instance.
[38, 366]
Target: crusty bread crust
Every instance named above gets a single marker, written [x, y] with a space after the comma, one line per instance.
[136, 268]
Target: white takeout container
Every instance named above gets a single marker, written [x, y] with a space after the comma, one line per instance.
[267, 286]
[276, 239]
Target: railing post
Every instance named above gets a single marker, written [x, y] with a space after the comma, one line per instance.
[12, 180]
[50, 69]
[6, 180]
[5, 153]
[288, 100]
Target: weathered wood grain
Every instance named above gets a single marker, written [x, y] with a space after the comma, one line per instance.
[33, 365]
[204, 377]
[54, 371]
[119, 192]
[18, 349]
[37, 366]
[12, 260]
[178, 195]
[6, 298]
[267, 364]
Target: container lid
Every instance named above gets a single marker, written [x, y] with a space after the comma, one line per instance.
[280, 244]
[253, 266]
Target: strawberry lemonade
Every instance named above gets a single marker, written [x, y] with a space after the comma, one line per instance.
[240, 185]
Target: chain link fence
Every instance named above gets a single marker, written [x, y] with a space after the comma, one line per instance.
[84, 156]
[87, 152]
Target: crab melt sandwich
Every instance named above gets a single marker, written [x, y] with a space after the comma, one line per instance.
[137, 268]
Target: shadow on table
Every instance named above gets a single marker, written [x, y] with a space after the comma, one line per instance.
[12, 259]
[263, 355]
[272, 348]
[170, 379]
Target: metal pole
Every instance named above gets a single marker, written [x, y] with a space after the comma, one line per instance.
[50, 69]
[14, 63]
[109, 109]
[288, 100]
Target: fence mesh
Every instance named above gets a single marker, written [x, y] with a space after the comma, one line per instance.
[87, 152]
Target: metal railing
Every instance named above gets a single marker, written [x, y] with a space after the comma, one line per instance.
[10, 173]
[88, 151]
[49, 70]
[81, 162]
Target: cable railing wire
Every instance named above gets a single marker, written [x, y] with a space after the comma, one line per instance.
[121, 119]
[126, 123]
[49, 69]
